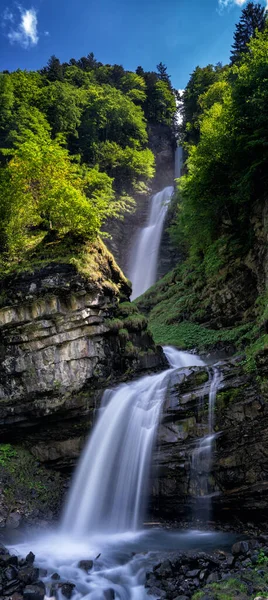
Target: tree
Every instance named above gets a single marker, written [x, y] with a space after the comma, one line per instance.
[42, 189]
[200, 81]
[252, 19]
[62, 104]
[162, 74]
[53, 70]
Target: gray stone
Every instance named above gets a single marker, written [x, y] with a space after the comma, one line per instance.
[35, 591]
[109, 594]
[240, 548]
[67, 589]
[86, 565]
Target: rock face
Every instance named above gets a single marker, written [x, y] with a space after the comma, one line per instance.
[238, 480]
[60, 348]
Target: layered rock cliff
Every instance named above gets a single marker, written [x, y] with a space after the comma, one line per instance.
[67, 333]
[238, 481]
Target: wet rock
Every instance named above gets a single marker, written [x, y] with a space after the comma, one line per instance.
[17, 596]
[35, 591]
[240, 548]
[10, 573]
[213, 577]
[230, 560]
[14, 520]
[42, 572]
[28, 574]
[30, 558]
[158, 593]
[247, 562]
[67, 589]
[108, 594]
[203, 575]
[12, 586]
[193, 573]
[4, 560]
[85, 565]
[55, 576]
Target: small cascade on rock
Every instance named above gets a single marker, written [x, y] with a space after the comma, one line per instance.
[202, 456]
[143, 260]
[108, 493]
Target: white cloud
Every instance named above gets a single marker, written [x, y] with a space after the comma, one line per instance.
[46, 33]
[25, 33]
[7, 16]
[226, 3]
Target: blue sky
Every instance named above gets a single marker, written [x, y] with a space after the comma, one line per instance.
[180, 33]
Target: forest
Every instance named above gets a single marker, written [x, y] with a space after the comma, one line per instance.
[74, 148]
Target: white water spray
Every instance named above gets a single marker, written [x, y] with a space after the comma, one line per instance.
[143, 260]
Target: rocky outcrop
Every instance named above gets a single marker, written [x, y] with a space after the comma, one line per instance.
[238, 481]
[64, 339]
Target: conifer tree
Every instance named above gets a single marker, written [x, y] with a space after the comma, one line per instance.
[252, 19]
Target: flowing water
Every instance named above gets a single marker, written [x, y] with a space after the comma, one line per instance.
[143, 261]
[203, 453]
[178, 162]
[109, 489]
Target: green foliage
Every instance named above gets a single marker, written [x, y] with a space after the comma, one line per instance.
[252, 19]
[226, 168]
[23, 477]
[74, 149]
[262, 558]
[42, 190]
[224, 590]
[6, 453]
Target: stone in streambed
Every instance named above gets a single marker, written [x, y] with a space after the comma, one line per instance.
[28, 574]
[35, 591]
[192, 574]
[108, 594]
[213, 577]
[17, 596]
[67, 589]
[10, 573]
[240, 548]
[86, 565]
[30, 558]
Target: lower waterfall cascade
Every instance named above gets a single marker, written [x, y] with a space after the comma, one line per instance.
[103, 518]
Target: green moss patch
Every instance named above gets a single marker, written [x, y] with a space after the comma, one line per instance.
[26, 483]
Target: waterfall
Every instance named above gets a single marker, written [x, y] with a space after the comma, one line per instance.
[143, 260]
[203, 454]
[178, 162]
[109, 489]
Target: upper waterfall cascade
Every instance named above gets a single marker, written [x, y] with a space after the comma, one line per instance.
[143, 260]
